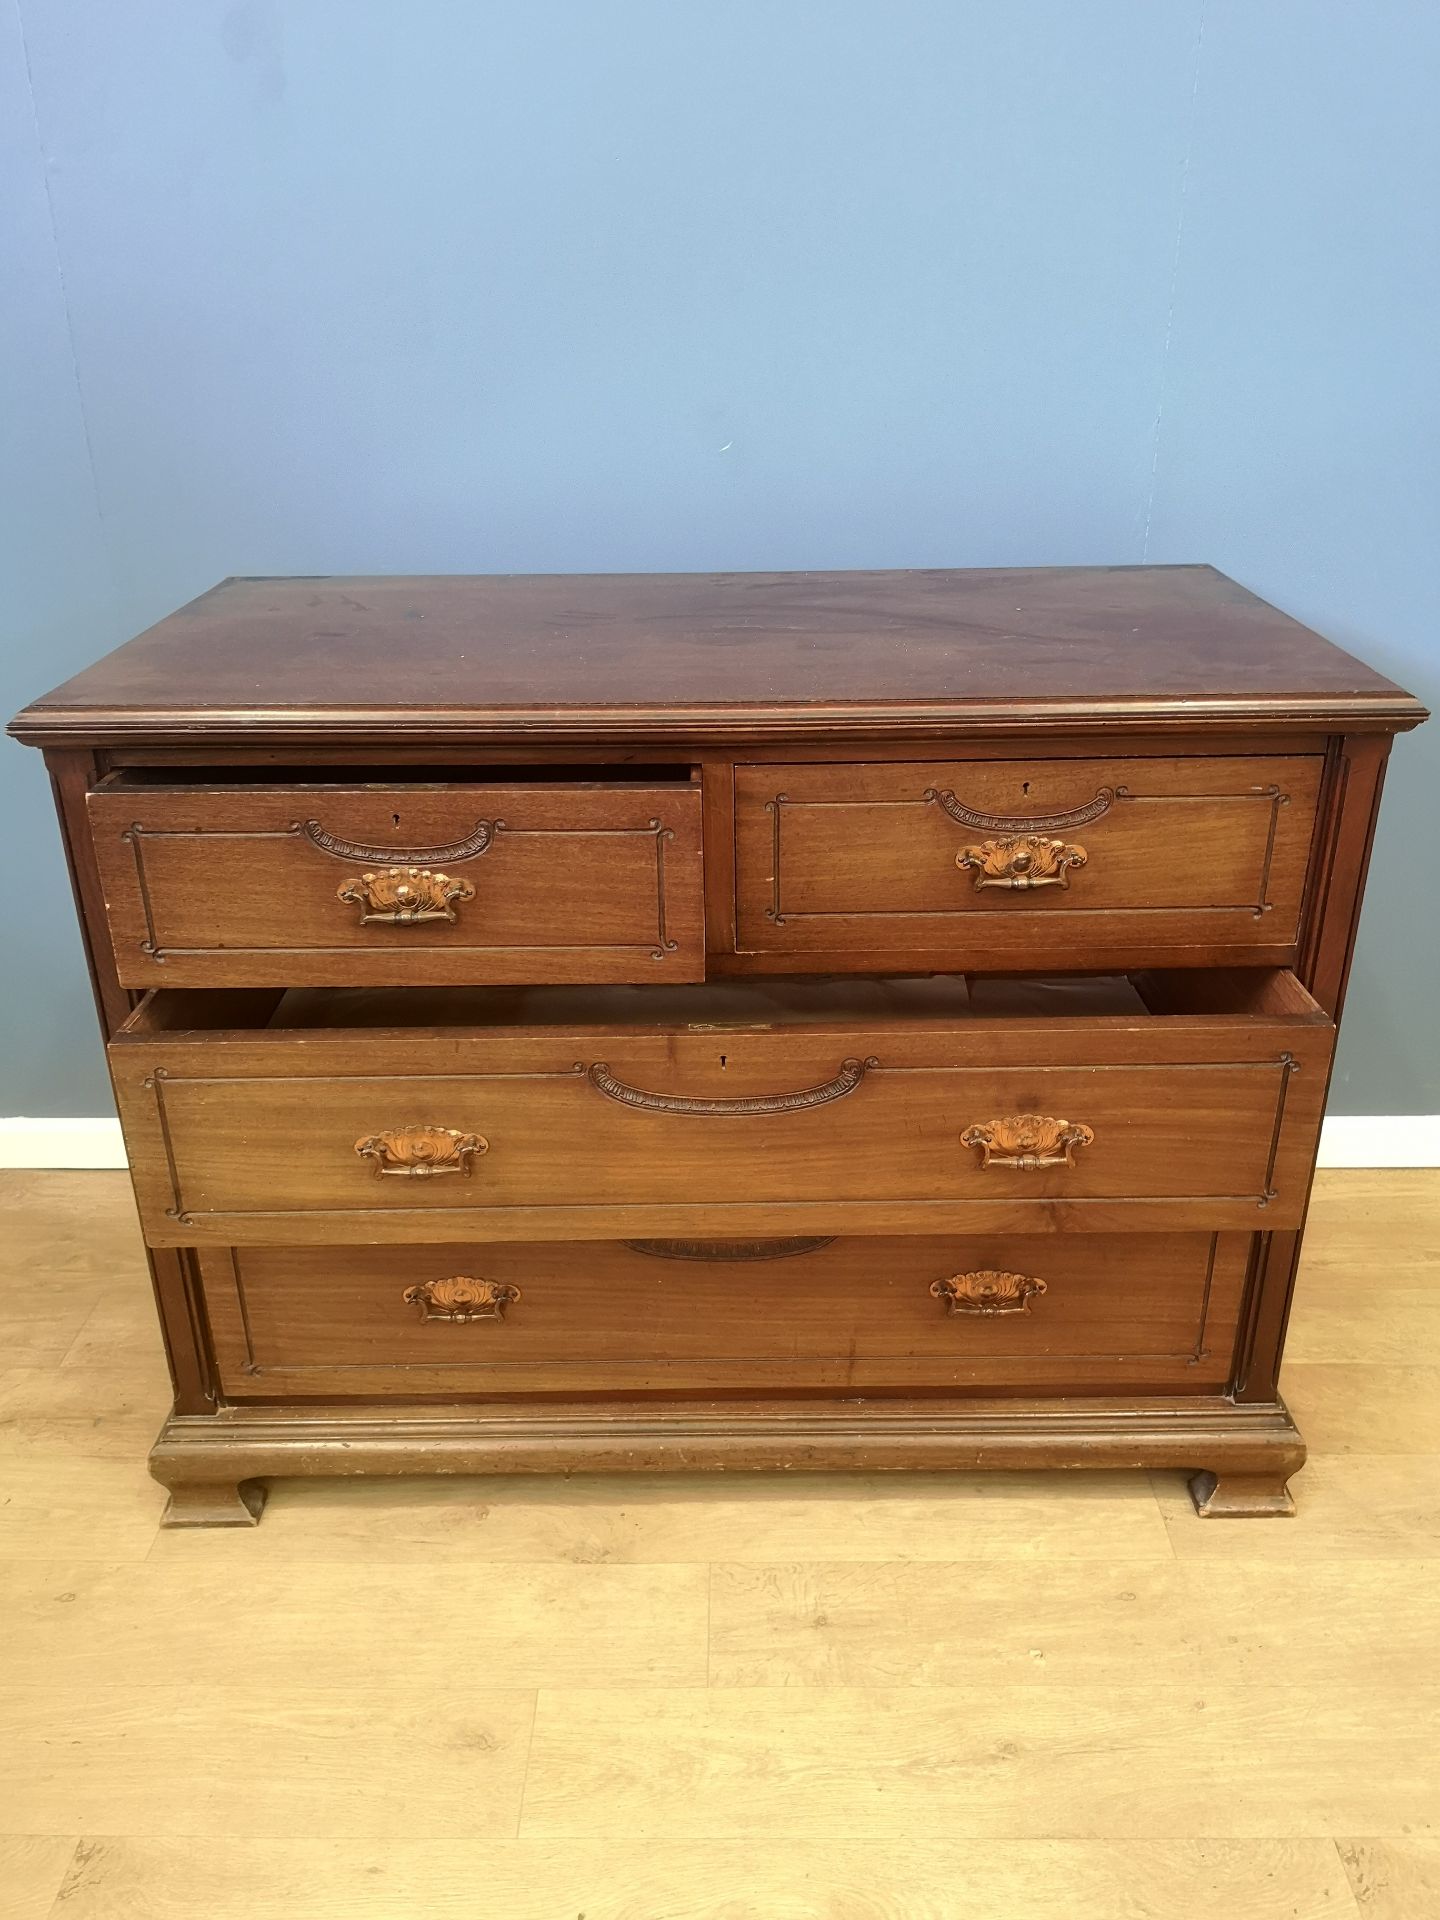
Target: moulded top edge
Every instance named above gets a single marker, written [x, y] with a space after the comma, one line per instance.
[58, 726]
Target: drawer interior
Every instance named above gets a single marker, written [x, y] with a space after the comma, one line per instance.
[315, 779]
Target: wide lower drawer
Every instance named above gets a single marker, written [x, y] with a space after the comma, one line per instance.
[316, 885]
[939, 1123]
[1025, 862]
[1070, 1313]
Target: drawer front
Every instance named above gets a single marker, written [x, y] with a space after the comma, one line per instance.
[316, 886]
[1074, 1312]
[1024, 863]
[995, 1126]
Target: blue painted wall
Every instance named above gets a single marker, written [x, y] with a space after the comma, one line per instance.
[643, 284]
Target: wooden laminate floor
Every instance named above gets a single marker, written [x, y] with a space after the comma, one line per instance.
[986, 1698]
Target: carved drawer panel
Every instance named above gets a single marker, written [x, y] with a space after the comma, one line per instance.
[957, 1121]
[1009, 863]
[328, 885]
[1061, 1313]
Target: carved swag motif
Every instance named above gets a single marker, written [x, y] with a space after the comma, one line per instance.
[726, 1250]
[851, 1073]
[987, 1291]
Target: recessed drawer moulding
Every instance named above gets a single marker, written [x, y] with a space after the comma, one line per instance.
[322, 885]
[905, 1125]
[1022, 862]
[1072, 1312]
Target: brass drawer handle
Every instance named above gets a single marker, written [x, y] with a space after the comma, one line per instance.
[1027, 1140]
[405, 896]
[851, 1073]
[420, 1153]
[987, 1291]
[1022, 862]
[461, 1299]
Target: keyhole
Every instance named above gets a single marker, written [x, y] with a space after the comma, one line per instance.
[724, 1059]
[395, 818]
[1024, 786]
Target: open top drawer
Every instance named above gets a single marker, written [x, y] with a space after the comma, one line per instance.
[1145, 1103]
[396, 884]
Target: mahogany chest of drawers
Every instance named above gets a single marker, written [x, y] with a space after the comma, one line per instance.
[873, 1020]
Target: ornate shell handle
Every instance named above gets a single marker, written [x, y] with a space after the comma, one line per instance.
[1022, 862]
[421, 1153]
[987, 1291]
[1027, 1140]
[405, 896]
[461, 1299]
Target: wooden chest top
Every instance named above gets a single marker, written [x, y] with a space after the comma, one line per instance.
[715, 657]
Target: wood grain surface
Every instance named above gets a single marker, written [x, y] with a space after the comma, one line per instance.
[1156, 1311]
[697, 1699]
[1206, 1120]
[223, 887]
[1162, 853]
[696, 655]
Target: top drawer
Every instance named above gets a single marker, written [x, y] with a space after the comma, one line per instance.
[1034, 863]
[458, 884]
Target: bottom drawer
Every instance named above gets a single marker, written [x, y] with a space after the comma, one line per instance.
[1083, 1313]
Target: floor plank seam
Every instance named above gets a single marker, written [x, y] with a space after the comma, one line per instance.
[709, 1621]
[525, 1769]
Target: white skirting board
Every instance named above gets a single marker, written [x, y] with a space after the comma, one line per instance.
[61, 1143]
[1347, 1140]
[1380, 1140]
